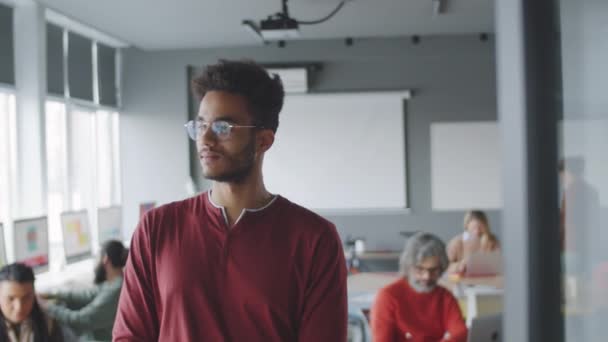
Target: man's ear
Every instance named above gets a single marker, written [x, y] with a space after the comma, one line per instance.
[265, 139]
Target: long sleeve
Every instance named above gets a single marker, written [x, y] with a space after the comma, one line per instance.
[455, 324]
[137, 317]
[383, 320]
[97, 314]
[324, 318]
[77, 298]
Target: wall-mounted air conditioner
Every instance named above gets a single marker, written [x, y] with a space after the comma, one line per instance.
[295, 80]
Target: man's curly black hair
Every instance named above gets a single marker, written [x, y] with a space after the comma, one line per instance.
[264, 93]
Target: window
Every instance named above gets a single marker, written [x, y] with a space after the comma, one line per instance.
[56, 153]
[82, 137]
[83, 166]
[108, 171]
[7, 153]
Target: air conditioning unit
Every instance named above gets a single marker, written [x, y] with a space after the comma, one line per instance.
[295, 80]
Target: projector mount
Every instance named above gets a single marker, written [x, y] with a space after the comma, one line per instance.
[281, 26]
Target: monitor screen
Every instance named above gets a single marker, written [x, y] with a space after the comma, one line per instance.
[31, 243]
[2, 247]
[76, 235]
[109, 224]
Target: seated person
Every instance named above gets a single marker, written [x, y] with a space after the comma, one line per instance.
[91, 312]
[22, 317]
[476, 237]
[415, 308]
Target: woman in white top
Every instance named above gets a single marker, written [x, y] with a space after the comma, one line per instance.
[477, 237]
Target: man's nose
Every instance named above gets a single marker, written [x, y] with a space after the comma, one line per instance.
[207, 136]
[17, 306]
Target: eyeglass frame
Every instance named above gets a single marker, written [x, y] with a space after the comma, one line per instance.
[194, 123]
[432, 271]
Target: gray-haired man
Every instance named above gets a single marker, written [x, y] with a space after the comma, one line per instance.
[414, 308]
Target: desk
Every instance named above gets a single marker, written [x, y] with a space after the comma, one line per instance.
[476, 296]
[79, 274]
[374, 261]
[369, 282]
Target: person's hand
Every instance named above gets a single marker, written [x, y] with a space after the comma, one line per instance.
[461, 267]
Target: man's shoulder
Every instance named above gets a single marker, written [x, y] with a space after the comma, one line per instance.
[304, 217]
[393, 288]
[444, 294]
[393, 292]
[155, 221]
[176, 207]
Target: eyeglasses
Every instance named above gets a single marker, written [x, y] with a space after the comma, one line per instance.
[434, 271]
[222, 129]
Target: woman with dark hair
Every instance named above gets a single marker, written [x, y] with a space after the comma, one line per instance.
[22, 317]
[90, 312]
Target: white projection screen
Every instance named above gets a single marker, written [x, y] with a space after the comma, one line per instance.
[340, 151]
[466, 165]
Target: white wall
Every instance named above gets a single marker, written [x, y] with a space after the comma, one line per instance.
[154, 146]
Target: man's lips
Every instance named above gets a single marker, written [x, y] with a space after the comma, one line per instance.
[210, 156]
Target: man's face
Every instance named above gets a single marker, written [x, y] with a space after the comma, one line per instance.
[232, 158]
[16, 300]
[424, 276]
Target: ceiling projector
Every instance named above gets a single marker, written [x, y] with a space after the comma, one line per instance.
[280, 26]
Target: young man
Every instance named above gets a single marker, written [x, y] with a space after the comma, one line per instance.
[236, 263]
[415, 308]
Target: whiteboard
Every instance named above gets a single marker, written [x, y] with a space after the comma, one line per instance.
[466, 165]
[588, 139]
[76, 235]
[340, 151]
[109, 223]
[31, 242]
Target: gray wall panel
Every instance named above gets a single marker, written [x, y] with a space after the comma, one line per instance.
[106, 66]
[80, 67]
[54, 60]
[7, 49]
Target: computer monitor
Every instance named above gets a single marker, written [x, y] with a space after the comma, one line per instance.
[486, 329]
[31, 243]
[109, 224]
[77, 243]
[2, 246]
